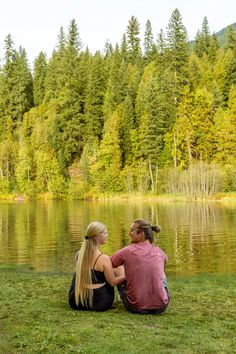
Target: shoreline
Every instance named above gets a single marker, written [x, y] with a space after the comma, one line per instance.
[219, 197]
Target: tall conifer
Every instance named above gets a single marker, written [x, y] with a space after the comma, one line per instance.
[178, 53]
[40, 70]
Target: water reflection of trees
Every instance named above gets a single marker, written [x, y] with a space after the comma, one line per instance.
[200, 237]
[197, 237]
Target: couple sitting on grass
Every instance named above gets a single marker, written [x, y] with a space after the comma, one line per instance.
[137, 270]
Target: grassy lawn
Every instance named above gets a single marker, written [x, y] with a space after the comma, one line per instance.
[35, 318]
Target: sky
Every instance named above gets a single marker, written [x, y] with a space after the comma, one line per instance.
[35, 25]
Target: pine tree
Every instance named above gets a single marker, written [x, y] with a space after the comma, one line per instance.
[194, 71]
[178, 53]
[95, 91]
[124, 48]
[40, 70]
[181, 141]
[133, 40]
[66, 83]
[106, 170]
[61, 40]
[225, 131]
[231, 39]
[149, 46]
[16, 96]
[213, 48]
[202, 39]
[156, 110]
[203, 125]
[73, 38]
[115, 91]
[229, 75]
[161, 43]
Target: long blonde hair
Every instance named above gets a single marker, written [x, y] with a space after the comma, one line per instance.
[89, 246]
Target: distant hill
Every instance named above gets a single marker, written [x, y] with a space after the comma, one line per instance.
[220, 35]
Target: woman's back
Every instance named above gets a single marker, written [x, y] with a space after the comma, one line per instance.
[94, 278]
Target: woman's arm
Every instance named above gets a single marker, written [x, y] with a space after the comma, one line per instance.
[109, 272]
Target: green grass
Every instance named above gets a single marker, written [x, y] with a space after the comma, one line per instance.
[35, 318]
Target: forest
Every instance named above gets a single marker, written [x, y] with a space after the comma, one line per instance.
[157, 118]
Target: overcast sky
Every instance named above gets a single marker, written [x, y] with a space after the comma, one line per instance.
[35, 25]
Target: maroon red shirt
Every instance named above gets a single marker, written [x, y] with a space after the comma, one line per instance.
[144, 269]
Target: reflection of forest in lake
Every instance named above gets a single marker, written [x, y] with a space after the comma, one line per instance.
[197, 237]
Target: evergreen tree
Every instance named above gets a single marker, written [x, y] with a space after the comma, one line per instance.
[124, 48]
[8, 154]
[73, 38]
[149, 46]
[213, 47]
[127, 114]
[108, 49]
[194, 71]
[62, 63]
[178, 53]
[225, 131]
[106, 170]
[116, 91]
[157, 112]
[230, 39]
[203, 125]
[16, 95]
[23, 84]
[133, 40]
[95, 91]
[181, 141]
[88, 160]
[229, 75]
[202, 39]
[40, 70]
[61, 40]
[161, 43]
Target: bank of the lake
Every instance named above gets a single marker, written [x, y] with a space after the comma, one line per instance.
[223, 197]
[35, 318]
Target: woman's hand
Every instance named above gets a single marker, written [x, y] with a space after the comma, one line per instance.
[113, 276]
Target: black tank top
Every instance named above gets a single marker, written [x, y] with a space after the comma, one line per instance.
[97, 276]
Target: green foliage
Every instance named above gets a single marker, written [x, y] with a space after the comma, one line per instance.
[48, 175]
[122, 116]
[133, 40]
[73, 39]
[16, 90]
[106, 170]
[116, 85]
[94, 98]
[150, 49]
[156, 106]
[178, 53]
[202, 40]
[40, 69]
[24, 170]
[225, 131]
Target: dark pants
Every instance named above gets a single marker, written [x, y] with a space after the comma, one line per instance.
[129, 307]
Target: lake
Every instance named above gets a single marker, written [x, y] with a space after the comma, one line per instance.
[45, 235]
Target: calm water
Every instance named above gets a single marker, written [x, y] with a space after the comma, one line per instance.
[197, 237]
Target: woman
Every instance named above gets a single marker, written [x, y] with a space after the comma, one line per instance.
[145, 290]
[93, 282]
